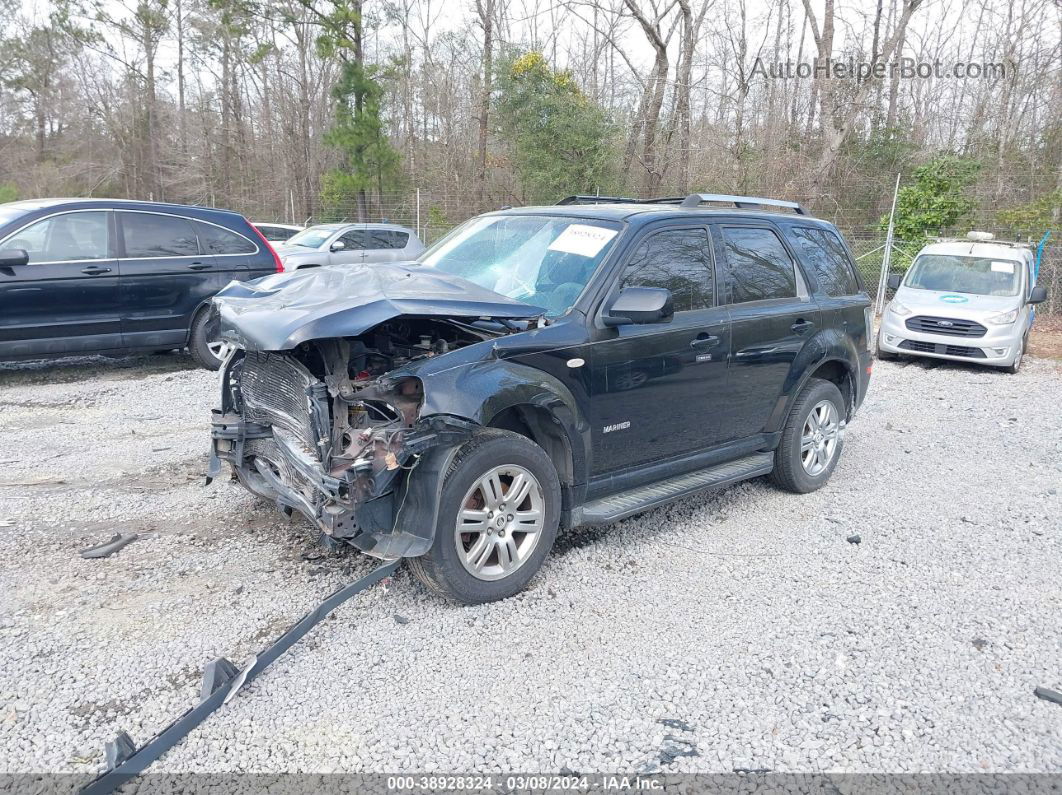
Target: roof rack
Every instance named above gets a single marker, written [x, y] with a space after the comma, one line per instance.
[741, 202]
[582, 199]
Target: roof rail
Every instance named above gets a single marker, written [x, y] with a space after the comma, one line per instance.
[741, 202]
[581, 199]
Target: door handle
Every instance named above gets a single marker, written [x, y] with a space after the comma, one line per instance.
[95, 270]
[704, 341]
[199, 266]
[802, 325]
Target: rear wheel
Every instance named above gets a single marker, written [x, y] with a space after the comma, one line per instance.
[498, 518]
[812, 439]
[207, 350]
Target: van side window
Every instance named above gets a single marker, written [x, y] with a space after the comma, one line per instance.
[760, 267]
[149, 235]
[823, 250]
[678, 260]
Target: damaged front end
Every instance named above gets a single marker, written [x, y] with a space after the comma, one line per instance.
[332, 429]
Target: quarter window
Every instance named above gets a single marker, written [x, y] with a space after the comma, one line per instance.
[69, 237]
[222, 241]
[150, 235]
[825, 253]
[678, 260]
[760, 268]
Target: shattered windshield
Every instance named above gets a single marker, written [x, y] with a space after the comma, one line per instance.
[958, 274]
[542, 260]
[314, 237]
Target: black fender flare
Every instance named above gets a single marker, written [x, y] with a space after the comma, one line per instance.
[481, 391]
[827, 346]
[466, 397]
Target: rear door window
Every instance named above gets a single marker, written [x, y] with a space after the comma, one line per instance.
[356, 239]
[217, 240]
[678, 260]
[760, 268]
[825, 253]
[151, 235]
[389, 238]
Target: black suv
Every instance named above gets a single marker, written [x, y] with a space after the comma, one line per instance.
[542, 368]
[110, 276]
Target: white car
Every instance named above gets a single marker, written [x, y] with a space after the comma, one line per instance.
[349, 244]
[277, 233]
[969, 301]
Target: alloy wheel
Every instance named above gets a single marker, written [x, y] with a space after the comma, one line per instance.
[500, 522]
[818, 441]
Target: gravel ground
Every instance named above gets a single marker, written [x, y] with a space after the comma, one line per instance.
[740, 630]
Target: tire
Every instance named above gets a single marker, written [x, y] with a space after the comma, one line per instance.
[791, 470]
[884, 355]
[1015, 366]
[205, 351]
[447, 568]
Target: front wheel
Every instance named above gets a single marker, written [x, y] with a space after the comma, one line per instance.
[812, 438]
[1014, 366]
[498, 518]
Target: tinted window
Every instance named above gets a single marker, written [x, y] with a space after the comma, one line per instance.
[64, 238]
[375, 239]
[277, 233]
[760, 267]
[677, 260]
[355, 239]
[825, 253]
[152, 235]
[387, 238]
[222, 241]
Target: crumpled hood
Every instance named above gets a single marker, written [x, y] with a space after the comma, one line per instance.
[283, 310]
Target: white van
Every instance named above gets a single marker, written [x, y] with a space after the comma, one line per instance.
[967, 300]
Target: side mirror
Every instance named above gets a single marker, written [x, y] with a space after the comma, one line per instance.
[11, 257]
[894, 281]
[339, 245]
[1036, 296]
[640, 305]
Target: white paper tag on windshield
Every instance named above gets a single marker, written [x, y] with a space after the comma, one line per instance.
[586, 241]
[1002, 266]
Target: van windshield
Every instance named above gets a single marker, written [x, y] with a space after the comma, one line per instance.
[542, 260]
[958, 274]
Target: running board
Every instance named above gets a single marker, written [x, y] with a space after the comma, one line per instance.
[643, 498]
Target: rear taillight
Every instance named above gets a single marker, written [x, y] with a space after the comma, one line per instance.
[268, 247]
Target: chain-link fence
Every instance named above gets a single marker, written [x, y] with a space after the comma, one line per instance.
[431, 214]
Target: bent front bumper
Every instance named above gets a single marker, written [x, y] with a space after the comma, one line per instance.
[998, 346]
[384, 501]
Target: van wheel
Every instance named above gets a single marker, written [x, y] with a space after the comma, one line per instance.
[812, 439]
[1014, 366]
[203, 343]
[498, 518]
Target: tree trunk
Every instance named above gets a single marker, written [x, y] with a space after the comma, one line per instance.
[485, 9]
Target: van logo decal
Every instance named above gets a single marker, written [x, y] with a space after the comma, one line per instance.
[954, 299]
[947, 323]
[619, 426]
